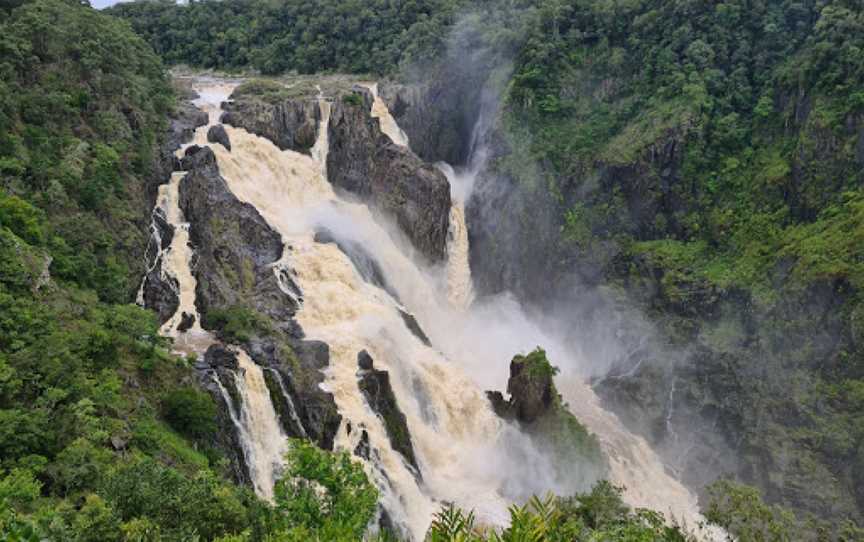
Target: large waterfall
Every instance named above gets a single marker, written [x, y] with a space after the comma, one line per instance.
[466, 455]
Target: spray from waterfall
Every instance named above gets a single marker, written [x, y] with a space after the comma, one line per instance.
[466, 454]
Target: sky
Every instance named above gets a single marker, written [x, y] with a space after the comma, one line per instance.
[99, 4]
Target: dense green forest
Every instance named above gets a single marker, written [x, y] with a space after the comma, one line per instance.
[350, 36]
[750, 245]
[705, 160]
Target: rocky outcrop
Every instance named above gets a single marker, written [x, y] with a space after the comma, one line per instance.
[438, 123]
[376, 388]
[532, 391]
[535, 405]
[366, 163]
[217, 134]
[159, 290]
[235, 248]
[293, 374]
[289, 124]
[239, 276]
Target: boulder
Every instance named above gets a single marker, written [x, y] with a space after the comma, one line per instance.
[160, 293]
[186, 322]
[531, 388]
[217, 134]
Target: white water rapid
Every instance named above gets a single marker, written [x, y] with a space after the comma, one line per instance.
[466, 454]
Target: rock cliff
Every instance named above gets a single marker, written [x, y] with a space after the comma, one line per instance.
[366, 163]
[247, 297]
[289, 124]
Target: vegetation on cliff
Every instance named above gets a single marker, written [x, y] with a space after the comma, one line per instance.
[708, 161]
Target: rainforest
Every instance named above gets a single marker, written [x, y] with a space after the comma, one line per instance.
[442, 270]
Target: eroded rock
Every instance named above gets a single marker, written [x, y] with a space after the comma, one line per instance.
[366, 163]
[217, 134]
[290, 124]
[376, 388]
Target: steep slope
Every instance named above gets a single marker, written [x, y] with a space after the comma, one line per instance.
[710, 172]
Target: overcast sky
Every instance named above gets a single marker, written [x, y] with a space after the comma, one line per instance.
[99, 4]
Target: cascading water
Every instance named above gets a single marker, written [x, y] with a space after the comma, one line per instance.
[385, 119]
[466, 454]
[262, 439]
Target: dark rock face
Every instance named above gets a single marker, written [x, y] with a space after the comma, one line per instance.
[217, 134]
[375, 386]
[186, 322]
[367, 164]
[235, 247]
[439, 115]
[362, 449]
[364, 361]
[414, 327]
[292, 124]
[236, 251]
[532, 392]
[160, 293]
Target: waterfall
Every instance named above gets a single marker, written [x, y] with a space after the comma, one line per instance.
[261, 436]
[385, 119]
[465, 453]
[265, 443]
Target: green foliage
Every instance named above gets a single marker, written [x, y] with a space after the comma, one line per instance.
[190, 411]
[323, 495]
[80, 96]
[536, 363]
[334, 35]
[353, 99]
[237, 323]
[598, 515]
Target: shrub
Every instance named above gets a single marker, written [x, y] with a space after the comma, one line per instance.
[190, 411]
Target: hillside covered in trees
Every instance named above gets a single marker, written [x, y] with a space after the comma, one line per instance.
[702, 162]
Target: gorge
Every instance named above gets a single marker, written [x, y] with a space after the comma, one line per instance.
[433, 270]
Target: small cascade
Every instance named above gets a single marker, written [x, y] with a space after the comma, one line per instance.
[460, 289]
[264, 441]
[385, 119]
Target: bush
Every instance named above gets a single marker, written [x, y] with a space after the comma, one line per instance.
[325, 494]
[237, 323]
[190, 411]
